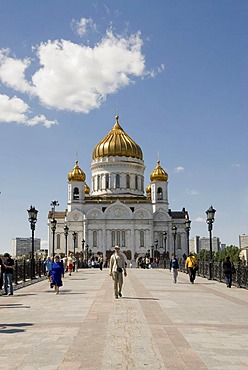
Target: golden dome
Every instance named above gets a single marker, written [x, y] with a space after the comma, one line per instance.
[76, 174]
[86, 189]
[159, 174]
[117, 143]
[148, 189]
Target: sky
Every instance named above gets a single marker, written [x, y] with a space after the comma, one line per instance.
[175, 72]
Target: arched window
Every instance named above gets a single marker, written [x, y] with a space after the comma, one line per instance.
[142, 238]
[123, 242]
[179, 241]
[113, 238]
[142, 184]
[107, 181]
[118, 238]
[117, 181]
[98, 182]
[128, 181]
[75, 194]
[160, 193]
[136, 182]
[94, 238]
[58, 241]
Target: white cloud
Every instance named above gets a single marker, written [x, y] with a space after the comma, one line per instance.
[199, 219]
[13, 109]
[16, 110]
[78, 78]
[192, 192]
[179, 169]
[236, 165]
[73, 77]
[83, 25]
[12, 72]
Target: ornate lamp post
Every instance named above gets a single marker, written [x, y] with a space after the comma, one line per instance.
[53, 227]
[152, 248]
[32, 218]
[165, 238]
[174, 233]
[156, 247]
[210, 220]
[187, 227]
[66, 231]
[74, 236]
[54, 203]
[87, 253]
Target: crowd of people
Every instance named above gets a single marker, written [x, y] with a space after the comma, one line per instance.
[56, 267]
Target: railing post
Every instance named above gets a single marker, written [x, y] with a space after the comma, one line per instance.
[24, 271]
[16, 272]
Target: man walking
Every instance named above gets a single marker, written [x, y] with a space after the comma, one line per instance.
[191, 266]
[174, 266]
[9, 265]
[116, 268]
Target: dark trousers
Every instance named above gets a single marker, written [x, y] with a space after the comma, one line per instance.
[229, 280]
[192, 272]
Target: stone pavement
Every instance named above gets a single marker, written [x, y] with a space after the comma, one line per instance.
[155, 325]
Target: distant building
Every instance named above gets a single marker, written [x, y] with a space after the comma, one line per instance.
[197, 244]
[243, 245]
[23, 246]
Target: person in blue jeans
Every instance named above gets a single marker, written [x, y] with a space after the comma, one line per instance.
[8, 265]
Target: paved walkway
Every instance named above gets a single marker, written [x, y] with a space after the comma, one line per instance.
[155, 325]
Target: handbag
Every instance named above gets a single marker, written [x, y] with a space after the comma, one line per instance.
[119, 269]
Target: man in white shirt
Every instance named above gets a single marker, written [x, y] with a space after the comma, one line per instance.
[116, 268]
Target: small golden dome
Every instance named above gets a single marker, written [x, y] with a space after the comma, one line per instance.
[76, 174]
[148, 189]
[117, 143]
[86, 189]
[159, 174]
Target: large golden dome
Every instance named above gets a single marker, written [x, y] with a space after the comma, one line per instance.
[117, 143]
[158, 174]
[76, 174]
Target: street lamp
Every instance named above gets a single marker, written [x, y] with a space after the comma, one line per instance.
[66, 231]
[174, 233]
[152, 248]
[87, 253]
[74, 236]
[32, 218]
[187, 227]
[54, 203]
[165, 237]
[156, 246]
[53, 227]
[210, 220]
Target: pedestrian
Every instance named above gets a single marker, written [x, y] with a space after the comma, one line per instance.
[70, 263]
[191, 267]
[116, 268]
[100, 262]
[65, 263]
[48, 267]
[8, 265]
[57, 274]
[229, 269]
[174, 267]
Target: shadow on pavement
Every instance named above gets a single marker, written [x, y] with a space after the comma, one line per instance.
[141, 298]
[4, 328]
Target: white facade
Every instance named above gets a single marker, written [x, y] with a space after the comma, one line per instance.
[117, 211]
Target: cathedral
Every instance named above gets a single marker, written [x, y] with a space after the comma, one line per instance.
[118, 209]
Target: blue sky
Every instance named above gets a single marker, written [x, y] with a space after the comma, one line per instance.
[176, 72]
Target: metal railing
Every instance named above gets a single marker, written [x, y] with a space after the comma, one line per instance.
[239, 276]
[22, 271]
